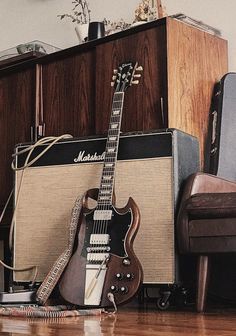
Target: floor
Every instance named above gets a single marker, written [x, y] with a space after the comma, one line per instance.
[130, 320]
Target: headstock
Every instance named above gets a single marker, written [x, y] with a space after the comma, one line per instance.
[125, 76]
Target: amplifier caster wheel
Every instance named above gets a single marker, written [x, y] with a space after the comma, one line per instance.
[163, 302]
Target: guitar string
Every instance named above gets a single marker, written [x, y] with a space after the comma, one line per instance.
[108, 184]
[116, 132]
[101, 226]
[109, 177]
[98, 224]
[108, 172]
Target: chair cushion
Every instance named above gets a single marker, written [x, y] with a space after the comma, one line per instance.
[206, 245]
[212, 235]
[211, 205]
[212, 227]
[208, 223]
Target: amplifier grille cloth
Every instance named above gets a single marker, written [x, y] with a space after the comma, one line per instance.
[47, 195]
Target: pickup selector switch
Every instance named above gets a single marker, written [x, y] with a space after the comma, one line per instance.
[126, 262]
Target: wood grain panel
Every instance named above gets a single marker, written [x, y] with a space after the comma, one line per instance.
[142, 106]
[196, 61]
[68, 95]
[17, 98]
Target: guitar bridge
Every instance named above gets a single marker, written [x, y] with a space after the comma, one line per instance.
[95, 276]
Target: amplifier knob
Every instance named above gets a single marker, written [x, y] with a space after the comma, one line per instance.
[124, 290]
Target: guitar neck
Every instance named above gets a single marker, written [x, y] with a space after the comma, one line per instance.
[111, 151]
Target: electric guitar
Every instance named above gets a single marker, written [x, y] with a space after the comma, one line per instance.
[103, 262]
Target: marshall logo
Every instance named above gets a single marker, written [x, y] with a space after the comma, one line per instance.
[88, 157]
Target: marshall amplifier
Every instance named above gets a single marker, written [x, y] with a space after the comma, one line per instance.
[151, 168]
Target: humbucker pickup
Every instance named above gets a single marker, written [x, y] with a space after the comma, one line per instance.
[99, 239]
[99, 257]
[102, 215]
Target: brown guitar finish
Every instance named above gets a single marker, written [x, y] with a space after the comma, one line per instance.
[72, 282]
[104, 262]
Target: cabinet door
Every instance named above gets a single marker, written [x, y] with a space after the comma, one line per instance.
[17, 104]
[68, 95]
[142, 105]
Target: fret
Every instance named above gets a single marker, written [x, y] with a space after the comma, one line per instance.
[111, 144]
[114, 133]
[111, 155]
[108, 174]
[108, 170]
[115, 117]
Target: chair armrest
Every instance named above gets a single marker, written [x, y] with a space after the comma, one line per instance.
[207, 183]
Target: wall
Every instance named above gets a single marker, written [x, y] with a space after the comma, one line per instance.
[27, 20]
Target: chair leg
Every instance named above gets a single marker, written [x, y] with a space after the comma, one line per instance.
[202, 282]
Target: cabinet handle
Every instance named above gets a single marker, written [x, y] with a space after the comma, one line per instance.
[37, 132]
[162, 112]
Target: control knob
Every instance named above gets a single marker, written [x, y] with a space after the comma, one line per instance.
[124, 290]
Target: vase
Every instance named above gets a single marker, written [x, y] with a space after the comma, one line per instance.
[82, 32]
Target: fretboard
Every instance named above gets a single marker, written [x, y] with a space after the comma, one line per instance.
[109, 165]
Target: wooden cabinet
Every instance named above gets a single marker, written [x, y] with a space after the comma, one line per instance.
[180, 66]
[17, 105]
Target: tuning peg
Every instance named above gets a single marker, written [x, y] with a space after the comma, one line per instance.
[139, 68]
[114, 78]
[112, 83]
[115, 71]
[135, 82]
[137, 75]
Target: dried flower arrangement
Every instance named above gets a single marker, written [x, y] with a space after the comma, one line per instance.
[145, 11]
[81, 12]
[115, 26]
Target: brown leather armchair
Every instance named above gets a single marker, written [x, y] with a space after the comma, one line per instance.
[206, 223]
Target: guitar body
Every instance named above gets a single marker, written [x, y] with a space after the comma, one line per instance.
[121, 273]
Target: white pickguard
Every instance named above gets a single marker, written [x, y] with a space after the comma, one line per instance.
[93, 285]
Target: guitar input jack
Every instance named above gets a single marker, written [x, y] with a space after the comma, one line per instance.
[111, 298]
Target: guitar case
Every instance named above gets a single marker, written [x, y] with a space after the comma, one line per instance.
[220, 161]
